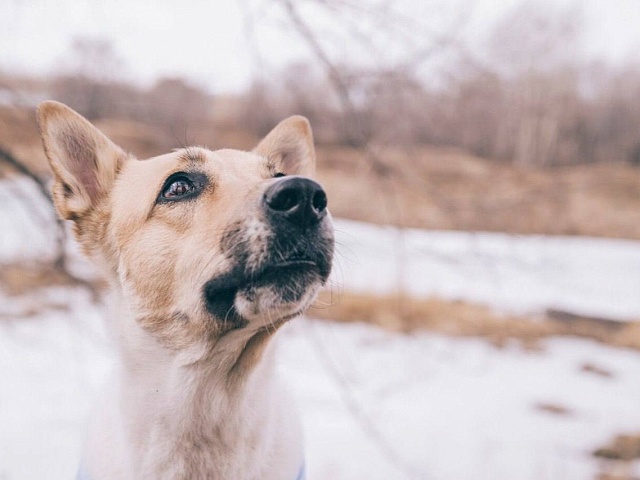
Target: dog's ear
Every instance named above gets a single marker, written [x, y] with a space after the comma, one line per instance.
[84, 161]
[290, 146]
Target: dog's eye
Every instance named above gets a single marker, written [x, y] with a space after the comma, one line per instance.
[179, 186]
[279, 174]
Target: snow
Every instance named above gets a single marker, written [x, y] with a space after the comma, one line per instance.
[456, 409]
[51, 367]
[523, 274]
[444, 408]
[374, 404]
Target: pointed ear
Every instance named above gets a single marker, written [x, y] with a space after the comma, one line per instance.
[84, 161]
[290, 146]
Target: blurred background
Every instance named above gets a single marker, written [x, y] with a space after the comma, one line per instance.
[482, 162]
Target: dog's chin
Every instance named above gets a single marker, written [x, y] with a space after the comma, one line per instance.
[278, 293]
[266, 305]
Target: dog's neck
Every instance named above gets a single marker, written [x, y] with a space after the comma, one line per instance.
[208, 409]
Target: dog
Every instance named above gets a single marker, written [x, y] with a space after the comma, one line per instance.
[207, 253]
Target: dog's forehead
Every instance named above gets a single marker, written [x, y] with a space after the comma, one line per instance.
[218, 163]
[219, 160]
[238, 161]
[143, 179]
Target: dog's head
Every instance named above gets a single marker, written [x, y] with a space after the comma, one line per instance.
[199, 242]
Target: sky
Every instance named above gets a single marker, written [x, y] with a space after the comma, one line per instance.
[208, 40]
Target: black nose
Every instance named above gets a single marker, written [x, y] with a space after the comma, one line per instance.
[297, 199]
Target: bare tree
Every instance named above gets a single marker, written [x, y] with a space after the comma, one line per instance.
[534, 48]
[524, 102]
[92, 72]
[60, 263]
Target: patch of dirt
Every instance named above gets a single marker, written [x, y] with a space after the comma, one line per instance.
[596, 370]
[554, 409]
[618, 457]
[621, 447]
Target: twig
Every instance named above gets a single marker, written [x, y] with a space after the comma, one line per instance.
[60, 259]
[366, 423]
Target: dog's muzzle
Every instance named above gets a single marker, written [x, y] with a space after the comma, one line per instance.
[286, 262]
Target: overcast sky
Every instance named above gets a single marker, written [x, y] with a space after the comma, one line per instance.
[206, 41]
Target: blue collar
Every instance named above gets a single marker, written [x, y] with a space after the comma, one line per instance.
[82, 475]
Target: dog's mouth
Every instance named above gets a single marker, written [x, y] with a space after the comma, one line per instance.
[282, 271]
[286, 282]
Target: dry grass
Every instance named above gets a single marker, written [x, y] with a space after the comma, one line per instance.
[19, 135]
[18, 279]
[596, 370]
[618, 456]
[406, 314]
[28, 279]
[446, 188]
[622, 447]
[426, 187]
[554, 409]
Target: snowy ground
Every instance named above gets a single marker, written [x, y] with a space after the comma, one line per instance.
[448, 409]
[517, 273]
[375, 405]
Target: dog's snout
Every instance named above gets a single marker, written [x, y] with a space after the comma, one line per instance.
[299, 200]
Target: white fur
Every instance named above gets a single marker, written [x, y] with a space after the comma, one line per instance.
[192, 398]
[158, 397]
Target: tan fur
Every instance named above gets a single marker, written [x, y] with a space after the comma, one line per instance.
[158, 256]
[289, 144]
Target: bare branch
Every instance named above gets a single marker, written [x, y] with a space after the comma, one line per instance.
[366, 423]
[60, 262]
